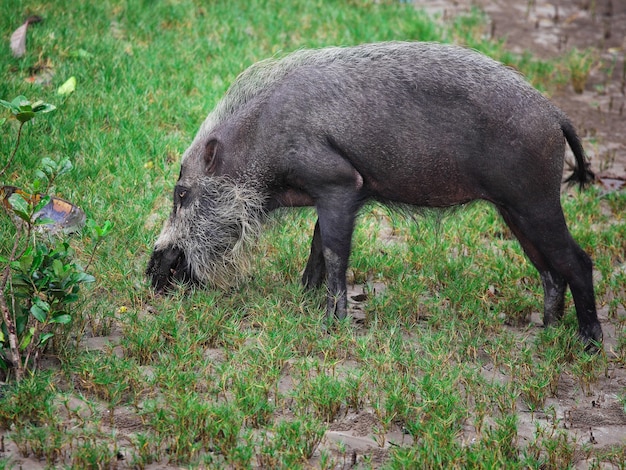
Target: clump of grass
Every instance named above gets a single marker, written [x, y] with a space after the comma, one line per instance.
[30, 401]
[320, 393]
[107, 377]
[290, 444]
[579, 65]
[550, 448]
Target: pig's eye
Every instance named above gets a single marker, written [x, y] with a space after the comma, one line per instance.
[210, 156]
[180, 197]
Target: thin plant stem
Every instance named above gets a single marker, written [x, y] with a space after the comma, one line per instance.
[93, 254]
[17, 144]
[6, 314]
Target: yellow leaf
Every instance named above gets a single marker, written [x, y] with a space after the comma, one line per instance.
[68, 87]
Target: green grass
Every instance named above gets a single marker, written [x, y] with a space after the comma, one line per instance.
[247, 377]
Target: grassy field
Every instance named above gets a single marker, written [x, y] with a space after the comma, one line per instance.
[444, 359]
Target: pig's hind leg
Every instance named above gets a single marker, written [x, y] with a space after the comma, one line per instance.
[554, 284]
[543, 234]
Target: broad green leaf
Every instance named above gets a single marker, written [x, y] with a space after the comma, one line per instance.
[41, 304]
[41, 107]
[14, 105]
[2, 121]
[63, 319]
[46, 169]
[25, 116]
[1, 336]
[39, 176]
[47, 163]
[37, 260]
[68, 87]
[45, 337]
[64, 166]
[38, 313]
[20, 207]
[84, 277]
[20, 101]
[69, 298]
[44, 221]
[59, 268]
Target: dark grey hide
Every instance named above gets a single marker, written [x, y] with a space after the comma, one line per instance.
[422, 124]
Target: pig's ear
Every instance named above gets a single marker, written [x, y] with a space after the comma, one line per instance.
[210, 156]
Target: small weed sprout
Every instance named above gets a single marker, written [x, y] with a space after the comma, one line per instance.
[23, 111]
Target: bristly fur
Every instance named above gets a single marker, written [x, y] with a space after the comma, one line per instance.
[216, 231]
[258, 79]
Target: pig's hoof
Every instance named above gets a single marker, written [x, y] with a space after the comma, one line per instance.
[591, 337]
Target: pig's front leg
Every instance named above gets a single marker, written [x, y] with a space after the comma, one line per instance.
[336, 214]
[315, 271]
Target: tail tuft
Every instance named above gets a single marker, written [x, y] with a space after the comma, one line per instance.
[581, 171]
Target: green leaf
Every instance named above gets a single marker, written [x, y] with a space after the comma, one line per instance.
[59, 269]
[69, 298]
[68, 87]
[20, 207]
[42, 304]
[43, 202]
[40, 107]
[14, 105]
[19, 101]
[84, 277]
[39, 221]
[100, 231]
[6, 104]
[25, 116]
[24, 110]
[105, 229]
[37, 258]
[37, 181]
[64, 166]
[28, 337]
[45, 337]
[63, 319]
[2, 121]
[39, 313]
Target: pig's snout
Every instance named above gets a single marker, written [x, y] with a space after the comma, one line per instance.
[166, 268]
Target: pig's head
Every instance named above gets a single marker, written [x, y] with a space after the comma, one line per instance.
[213, 220]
